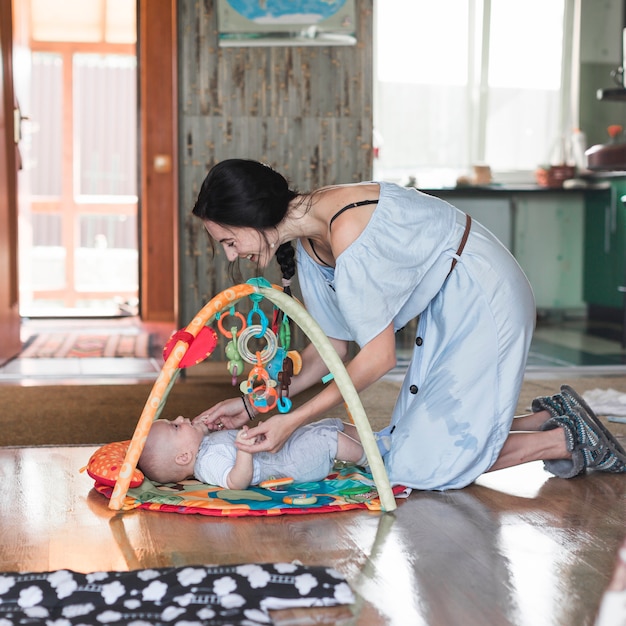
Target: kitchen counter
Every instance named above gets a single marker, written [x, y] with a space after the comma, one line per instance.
[549, 229]
[599, 184]
[543, 229]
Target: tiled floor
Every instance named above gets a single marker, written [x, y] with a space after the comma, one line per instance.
[587, 347]
[563, 346]
[558, 346]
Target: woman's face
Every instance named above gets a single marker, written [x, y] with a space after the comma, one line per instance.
[240, 242]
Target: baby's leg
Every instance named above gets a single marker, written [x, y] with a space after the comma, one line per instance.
[349, 447]
[351, 431]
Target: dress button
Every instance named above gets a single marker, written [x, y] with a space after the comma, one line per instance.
[419, 341]
[413, 389]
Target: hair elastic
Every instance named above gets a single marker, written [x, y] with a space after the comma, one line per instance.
[245, 406]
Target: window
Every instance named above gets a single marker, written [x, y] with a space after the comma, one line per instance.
[464, 82]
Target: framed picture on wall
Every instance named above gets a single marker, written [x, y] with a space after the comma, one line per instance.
[286, 22]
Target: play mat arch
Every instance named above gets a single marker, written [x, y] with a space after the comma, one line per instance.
[184, 350]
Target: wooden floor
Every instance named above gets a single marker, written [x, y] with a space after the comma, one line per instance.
[518, 547]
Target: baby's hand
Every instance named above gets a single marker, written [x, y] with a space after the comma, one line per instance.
[243, 439]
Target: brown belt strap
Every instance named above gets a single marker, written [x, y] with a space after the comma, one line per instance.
[468, 225]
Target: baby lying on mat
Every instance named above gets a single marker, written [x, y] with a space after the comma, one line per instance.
[180, 448]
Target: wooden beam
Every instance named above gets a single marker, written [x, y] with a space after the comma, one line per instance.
[158, 201]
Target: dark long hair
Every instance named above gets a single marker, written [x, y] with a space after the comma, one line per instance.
[246, 193]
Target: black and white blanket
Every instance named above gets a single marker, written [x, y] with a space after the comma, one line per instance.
[196, 595]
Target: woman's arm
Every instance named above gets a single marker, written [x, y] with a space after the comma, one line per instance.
[313, 366]
[232, 413]
[372, 362]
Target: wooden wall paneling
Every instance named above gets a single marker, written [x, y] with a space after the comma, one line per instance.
[307, 111]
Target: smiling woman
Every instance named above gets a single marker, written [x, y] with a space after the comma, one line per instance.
[227, 192]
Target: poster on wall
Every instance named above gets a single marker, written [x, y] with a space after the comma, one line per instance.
[286, 22]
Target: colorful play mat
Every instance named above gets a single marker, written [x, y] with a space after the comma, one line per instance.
[114, 466]
[345, 489]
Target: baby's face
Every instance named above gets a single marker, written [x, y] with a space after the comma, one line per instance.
[182, 435]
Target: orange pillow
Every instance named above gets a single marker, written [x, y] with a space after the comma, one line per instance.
[105, 463]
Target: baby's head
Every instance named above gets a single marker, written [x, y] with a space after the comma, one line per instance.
[171, 450]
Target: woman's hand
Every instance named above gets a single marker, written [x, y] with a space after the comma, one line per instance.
[228, 414]
[268, 436]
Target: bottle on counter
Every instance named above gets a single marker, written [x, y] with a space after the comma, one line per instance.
[578, 147]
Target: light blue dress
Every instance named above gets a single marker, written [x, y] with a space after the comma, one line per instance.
[457, 401]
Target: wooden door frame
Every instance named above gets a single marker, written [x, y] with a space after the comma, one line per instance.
[158, 197]
[10, 343]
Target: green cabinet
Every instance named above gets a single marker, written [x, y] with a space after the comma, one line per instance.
[548, 245]
[543, 228]
[605, 250]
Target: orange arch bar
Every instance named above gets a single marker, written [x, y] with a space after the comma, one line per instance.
[162, 385]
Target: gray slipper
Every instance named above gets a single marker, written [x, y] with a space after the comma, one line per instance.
[553, 404]
[572, 398]
[597, 449]
[588, 428]
[565, 468]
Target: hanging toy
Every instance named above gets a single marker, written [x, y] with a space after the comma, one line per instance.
[281, 368]
[257, 332]
[260, 388]
[284, 403]
[256, 298]
[235, 362]
[285, 364]
[273, 364]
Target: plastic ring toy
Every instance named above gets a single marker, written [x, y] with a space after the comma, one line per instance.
[229, 334]
[264, 398]
[284, 405]
[300, 500]
[267, 354]
[264, 322]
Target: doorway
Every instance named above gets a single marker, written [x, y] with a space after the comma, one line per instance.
[78, 216]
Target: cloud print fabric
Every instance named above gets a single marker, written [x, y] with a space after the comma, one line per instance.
[191, 596]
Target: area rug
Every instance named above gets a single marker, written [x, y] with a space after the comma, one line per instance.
[195, 595]
[92, 414]
[95, 414]
[84, 345]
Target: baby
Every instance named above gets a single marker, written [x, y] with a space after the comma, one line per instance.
[180, 448]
